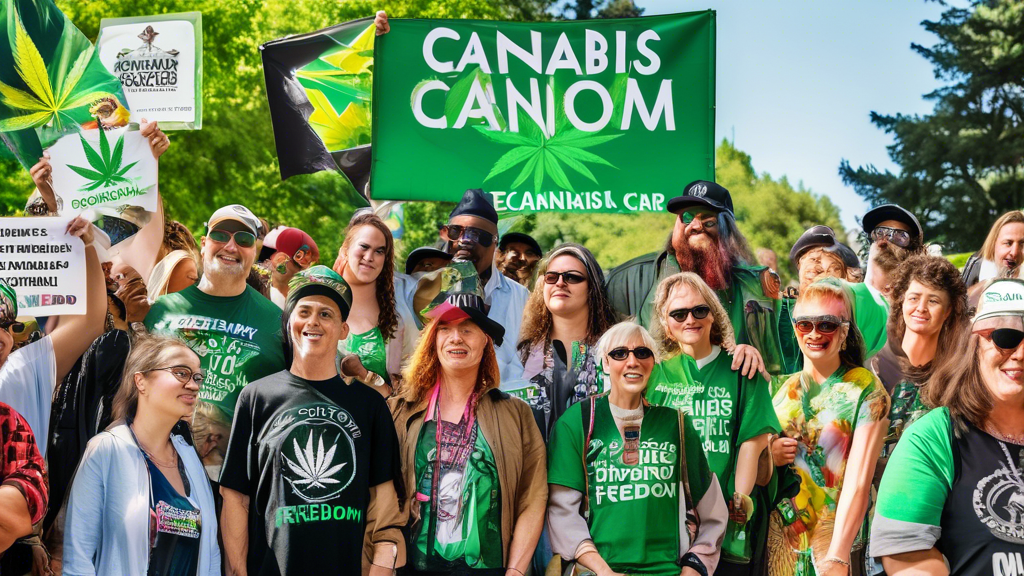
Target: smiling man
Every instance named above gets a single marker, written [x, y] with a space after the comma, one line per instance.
[233, 329]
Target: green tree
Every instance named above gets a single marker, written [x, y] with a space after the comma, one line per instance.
[589, 9]
[960, 166]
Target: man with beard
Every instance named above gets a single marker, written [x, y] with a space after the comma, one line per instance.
[518, 255]
[234, 330]
[895, 235]
[706, 241]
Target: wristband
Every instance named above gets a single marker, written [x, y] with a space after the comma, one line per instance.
[691, 560]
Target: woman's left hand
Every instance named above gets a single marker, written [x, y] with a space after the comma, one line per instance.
[747, 361]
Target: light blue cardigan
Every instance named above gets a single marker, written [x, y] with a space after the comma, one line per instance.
[106, 531]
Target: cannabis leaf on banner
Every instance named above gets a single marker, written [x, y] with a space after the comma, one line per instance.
[106, 164]
[549, 155]
[314, 467]
[46, 102]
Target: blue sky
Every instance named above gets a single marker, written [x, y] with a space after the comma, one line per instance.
[797, 81]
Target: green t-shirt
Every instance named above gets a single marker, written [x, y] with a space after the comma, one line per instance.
[711, 396]
[634, 510]
[371, 349]
[237, 338]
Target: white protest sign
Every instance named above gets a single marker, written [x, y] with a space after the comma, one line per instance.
[104, 168]
[44, 264]
[155, 58]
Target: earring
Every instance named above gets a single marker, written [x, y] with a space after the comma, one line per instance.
[843, 347]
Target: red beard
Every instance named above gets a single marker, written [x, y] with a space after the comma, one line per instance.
[705, 260]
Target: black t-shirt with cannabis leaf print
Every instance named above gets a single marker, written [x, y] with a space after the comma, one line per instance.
[306, 453]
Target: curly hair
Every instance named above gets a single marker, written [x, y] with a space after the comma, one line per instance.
[938, 274]
[537, 322]
[721, 328]
[387, 318]
[178, 237]
[832, 289]
[424, 369]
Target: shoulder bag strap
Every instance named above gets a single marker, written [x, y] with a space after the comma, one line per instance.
[692, 517]
[587, 413]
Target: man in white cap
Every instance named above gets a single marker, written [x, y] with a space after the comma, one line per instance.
[232, 327]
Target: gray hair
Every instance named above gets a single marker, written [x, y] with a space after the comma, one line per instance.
[621, 334]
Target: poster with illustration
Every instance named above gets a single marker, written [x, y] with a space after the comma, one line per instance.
[158, 60]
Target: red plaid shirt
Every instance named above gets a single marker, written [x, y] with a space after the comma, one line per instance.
[21, 465]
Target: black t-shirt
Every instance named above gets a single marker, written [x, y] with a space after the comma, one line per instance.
[306, 453]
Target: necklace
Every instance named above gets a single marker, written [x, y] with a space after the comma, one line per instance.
[1017, 439]
[174, 457]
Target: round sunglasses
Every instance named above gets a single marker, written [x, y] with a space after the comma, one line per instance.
[569, 277]
[709, 222]
[640, 353]
[699, 313]
[898, 237]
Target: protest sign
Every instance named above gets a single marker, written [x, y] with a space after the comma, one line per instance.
[44, 264]
[595, 116]
[51, 80]
[104, 169]
[159, 62]
[318, 88]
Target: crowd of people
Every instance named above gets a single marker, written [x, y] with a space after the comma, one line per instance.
[234, 407]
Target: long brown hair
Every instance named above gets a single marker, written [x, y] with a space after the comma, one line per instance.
[938, 274]
[387, 319]
[537, 322]
[148, 353]
[721, 328]
[424, 370]
[956, 383]
[988, 249]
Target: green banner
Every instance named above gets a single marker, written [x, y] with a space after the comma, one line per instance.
[595, 116]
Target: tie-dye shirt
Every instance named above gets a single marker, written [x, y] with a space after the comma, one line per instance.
[823, 418]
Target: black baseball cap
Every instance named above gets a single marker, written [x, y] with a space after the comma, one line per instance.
[849, 256]
[819, 236]
[520, 237]
[880, 214]
[702, 193]
[475, 202]
[422, 253]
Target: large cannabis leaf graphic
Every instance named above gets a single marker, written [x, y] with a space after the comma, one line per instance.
[107, 163]
[338, 85]
[314, 467]
[47, 102]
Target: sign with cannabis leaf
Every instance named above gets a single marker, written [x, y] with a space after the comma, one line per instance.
[110, 169]
[319, 88]
[601, 116]
[51, 80]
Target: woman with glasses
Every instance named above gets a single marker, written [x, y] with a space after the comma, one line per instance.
[834, 418]
[567, 312]
[629, 486]
[382, 334]
[141, 502]
[952, 498]
[717, 383]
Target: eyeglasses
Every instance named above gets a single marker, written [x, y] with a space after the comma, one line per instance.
[242, 238]
[481, 237]
[302, 259]
[1006, 339]
[569, 277]
[709, 222]
[898, 237]
[823, 324]
[183, 374]
[640, 353]
[699, 313]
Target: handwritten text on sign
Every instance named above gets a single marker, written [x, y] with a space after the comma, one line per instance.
[44, 265]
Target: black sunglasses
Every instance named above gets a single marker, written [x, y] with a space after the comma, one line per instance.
[640, 353]
[824, 325]
[699, 313]
[242, 238]
[1006, 339]
[569, 277]
[481, 237]
[14, 327]
[898, 237]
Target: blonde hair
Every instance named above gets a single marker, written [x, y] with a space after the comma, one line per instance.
[721, 328]
[988, 249]
[149, 352]
[832, 289]
[424, 370]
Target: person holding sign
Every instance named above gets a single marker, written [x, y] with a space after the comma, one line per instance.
[718, 384]
[834, 417]
[472, 456]
[29, 375]
[630, 487]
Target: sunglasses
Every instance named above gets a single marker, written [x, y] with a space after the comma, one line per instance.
[699, 313]
[898, 237]
[470, 234]
[13, 327]
[640, 353]
[183, 374]
[709, 222]
[823, 324]
[1006, 339]
[303, 258]
[242, 238]
[568, 277]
